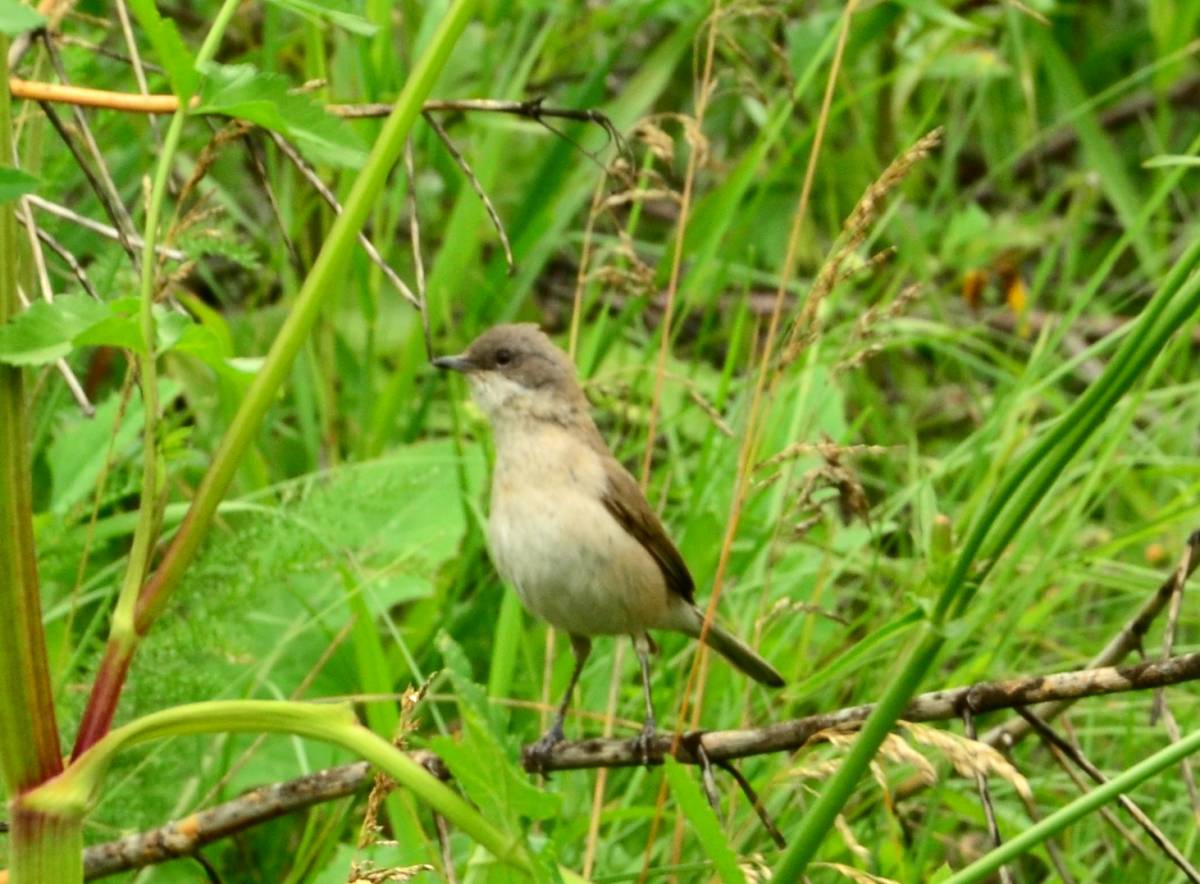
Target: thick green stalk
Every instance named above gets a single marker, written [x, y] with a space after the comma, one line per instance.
[44, 847]
[1177, 299]
[1083, 805]
[321, 282]
[29, 748]
[69, 795]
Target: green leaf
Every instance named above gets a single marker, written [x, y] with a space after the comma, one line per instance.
[49, 331]
[1164, 160]
[345, 20]
[478, 760]
[172, 52]
[44, 332]
[15, 183]
[705, 825]
[17, 18]
[243, 92]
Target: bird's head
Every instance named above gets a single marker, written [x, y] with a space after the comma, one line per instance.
[517, 370]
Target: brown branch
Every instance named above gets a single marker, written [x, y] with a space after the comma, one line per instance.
[535, 109]
[310, 175]
[788, 736]
[184, 837]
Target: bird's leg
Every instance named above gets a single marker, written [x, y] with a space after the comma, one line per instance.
[540, 750]
[644, 646]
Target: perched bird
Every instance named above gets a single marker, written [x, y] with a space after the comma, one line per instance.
[569, 528]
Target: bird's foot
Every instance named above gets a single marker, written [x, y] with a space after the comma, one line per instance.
[538, 754]
[644, 741]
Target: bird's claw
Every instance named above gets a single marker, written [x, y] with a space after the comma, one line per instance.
[539, 753]
[644, 741]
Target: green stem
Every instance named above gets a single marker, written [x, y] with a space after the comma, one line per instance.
[1077, 809]
[45, 847]
[149, 508]
[68, 795]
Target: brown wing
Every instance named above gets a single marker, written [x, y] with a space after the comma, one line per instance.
[625, 501]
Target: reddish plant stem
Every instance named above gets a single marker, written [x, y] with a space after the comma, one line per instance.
[102, 702]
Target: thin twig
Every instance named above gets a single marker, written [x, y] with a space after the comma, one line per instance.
[326, 194]
[260, 172]
[755, 802]
[66, 257]
[113, 203]
[99, 227]
[135, 61]
[465, 168]
[1052, 738]
[414, 232]
[985, 795]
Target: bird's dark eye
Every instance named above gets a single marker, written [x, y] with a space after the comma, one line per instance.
[503, 356]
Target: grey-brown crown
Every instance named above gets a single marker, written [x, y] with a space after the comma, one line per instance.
[521, 352]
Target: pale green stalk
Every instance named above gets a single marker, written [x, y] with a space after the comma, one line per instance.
[991, 862]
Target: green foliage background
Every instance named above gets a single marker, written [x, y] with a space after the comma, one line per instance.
[362, 500]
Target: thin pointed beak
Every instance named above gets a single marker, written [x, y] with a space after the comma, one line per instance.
[455, 363]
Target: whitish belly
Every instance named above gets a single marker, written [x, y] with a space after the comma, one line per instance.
[573, 565]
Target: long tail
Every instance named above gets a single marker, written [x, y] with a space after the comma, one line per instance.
[737, 652]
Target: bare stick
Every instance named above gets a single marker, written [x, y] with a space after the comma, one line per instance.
[98, 227]
[326, 194]
[414, 231]
[756, 803]
[43, 277]
[113, 202]
[260, 172]
[1128, 639]
[66, 257]
[476, 186]
[985, 795]
[943, 705]
[183, 837]
[1052, 738]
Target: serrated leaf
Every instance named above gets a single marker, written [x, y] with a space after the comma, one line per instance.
[478, 760]
[15, 183]
[343, 19]
[17, 18]
[243, 92]
[705, 825]
[489, 778]
[172, 52]
[49, 331]
[44, 332]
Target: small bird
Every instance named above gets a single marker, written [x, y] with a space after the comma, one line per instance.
[569, 527]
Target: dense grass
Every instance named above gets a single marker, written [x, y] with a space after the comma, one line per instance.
[348, 559]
